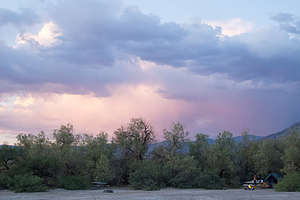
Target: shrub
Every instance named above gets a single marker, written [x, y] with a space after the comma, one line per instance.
[148, 175]
[27, 183]
[185, 173]
[289, 183]
[4, 181]
[197, 179]
[74, 182]
[186, 179]
[210, 181]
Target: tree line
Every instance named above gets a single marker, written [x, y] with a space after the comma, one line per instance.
[70, 161]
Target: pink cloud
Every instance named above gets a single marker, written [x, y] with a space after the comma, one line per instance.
[91, 114]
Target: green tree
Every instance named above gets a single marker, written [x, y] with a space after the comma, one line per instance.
[160, 154]
[67, 151]
[64, 137]
[268, 157]
[132, 143]
[149, 175]
[200, 151]
[183, 172]
[99, 154]
[289, 183]
[247, 150]
[38, 157]
[175, 138]
[134, 140]
[8, 157]
[222, 159]
[291, 156]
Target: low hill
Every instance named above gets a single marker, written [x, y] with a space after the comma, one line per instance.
[185, 148]
[251, 138]
[284, 132]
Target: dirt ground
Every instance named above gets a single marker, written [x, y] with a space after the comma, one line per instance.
[164, 194]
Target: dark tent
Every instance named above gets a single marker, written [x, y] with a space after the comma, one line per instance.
[272, 179]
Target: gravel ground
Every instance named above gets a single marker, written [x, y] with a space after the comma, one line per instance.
[164, 194]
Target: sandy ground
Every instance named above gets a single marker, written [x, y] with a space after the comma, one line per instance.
[164, 194]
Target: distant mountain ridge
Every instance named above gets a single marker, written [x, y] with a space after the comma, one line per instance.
[251, 138]
[284, 132]
[185, 147]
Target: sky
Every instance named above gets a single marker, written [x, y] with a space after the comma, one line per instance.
[211, 65]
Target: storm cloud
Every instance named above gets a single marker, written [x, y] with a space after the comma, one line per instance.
[89, 47]
[97, 35]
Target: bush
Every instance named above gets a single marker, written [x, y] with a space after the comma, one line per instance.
[210, 181]
[197, 179]
[186, 179]
[185, 173]
[148, 175]
[4, 181]
[289, 183]
[74, 182]
[27, 183]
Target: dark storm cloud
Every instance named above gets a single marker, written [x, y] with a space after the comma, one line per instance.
[105, 33]
[28, 72]
[119, 33]
[99, 38]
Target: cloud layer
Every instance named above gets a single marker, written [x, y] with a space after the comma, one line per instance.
[88, 50]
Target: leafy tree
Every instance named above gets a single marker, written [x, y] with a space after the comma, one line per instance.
[148, 175]
[247, 150]
[160, 154]
[175, 138]
[289, 183]
[200, 151]
[8, 157]
[222, 160]
[291, 156]
[38, 157]
[267, 158]
[134, 140]
[5, 180]
[133, 143]
[99, 154]
[183, 172]
[64, 137]
[67, 152]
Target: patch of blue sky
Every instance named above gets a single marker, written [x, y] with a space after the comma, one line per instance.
[8, 102]
[251, 10]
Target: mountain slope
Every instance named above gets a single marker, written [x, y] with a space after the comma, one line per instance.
[284, 132]
[251, 138]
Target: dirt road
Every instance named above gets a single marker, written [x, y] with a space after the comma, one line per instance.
[164, 194]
